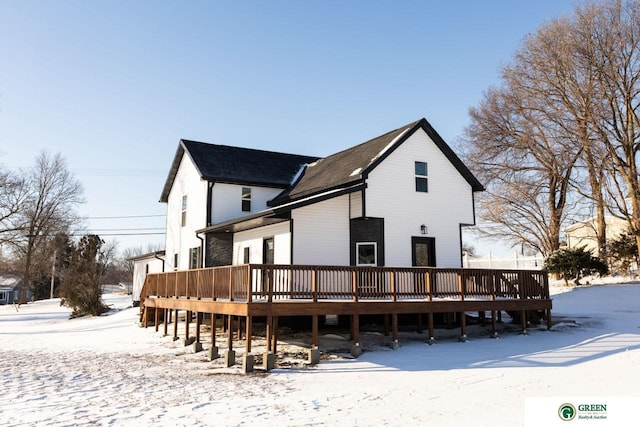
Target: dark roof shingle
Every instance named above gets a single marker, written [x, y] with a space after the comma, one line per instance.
[222, 163]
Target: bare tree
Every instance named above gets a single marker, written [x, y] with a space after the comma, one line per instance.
[51, 193]
[519, 151]
[563, 127]
[614, 49]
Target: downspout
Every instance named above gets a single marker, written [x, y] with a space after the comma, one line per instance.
[155, 255]
[201, 250]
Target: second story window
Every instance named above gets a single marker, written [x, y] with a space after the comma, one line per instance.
[422, 184]
[183, 220]
[246, 199]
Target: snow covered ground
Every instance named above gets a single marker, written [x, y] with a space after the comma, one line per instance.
[108, 371]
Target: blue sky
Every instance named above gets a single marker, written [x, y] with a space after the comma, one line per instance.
[114, 85]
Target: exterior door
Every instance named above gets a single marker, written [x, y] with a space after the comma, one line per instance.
[423, 251]
[267, 251]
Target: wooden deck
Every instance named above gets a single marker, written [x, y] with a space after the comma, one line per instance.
[272, 291]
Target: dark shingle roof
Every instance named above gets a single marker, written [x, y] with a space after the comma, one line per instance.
[222, 163]
[353, 165]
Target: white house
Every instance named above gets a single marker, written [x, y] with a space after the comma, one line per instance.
[400, 200]
[142, 265]
[584, 233]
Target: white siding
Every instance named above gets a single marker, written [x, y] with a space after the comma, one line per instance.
[355, 204]
[181, 238]
[140, 273]
[321, 233]
[253, 240]
[226, 201]
[391, 195]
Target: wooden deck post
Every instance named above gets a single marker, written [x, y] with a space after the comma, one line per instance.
[432, 338]
[394, 331]
[230, 355]
[165, 323]
[230, 332]
[213, 351]
[523, 322]
[549, 324]
[175, 325]
[269, 358]
[386, 325]
[463, 327]
[356, 350]
[494, 326]
[314, 331]
[274, 345]
[268, 331]
[155, 320]
[419, 322]
[247, 359]
[248, 332]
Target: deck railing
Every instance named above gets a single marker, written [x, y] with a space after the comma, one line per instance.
[267, 283]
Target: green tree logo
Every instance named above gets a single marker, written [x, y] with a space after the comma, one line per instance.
[567, 412]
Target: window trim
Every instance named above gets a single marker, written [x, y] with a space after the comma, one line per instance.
[246, 198]
[420, 177]
[375, 254]
[183, 214]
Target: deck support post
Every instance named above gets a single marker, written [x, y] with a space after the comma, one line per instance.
[356, 350]
[229, 355]
[494, 326]
[314, 352]
[432, 338]
[213, 351]
[549, 324]
[274, 344]
[175, 325]
[187, 339]
[197, 345]
[145, 317]
[386, 325]
[314, 331]
[419, 324]
[523, 322]
[463, 327]
[268, 361]
[165, 322]
[268, 331]
[394, 331]
[155, 318]
[248, 333]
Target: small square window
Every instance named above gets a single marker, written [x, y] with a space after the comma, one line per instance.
[246, 255]
[366, 254]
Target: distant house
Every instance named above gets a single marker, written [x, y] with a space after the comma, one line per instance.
[400, 199]
[10, 287]
[142, 265]
[584, 233]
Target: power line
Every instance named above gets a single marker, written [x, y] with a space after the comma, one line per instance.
[125, 216]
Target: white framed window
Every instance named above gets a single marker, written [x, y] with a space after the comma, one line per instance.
[422, 180]
[366, 254]
[246, 255]
[194, 258]
[246, 199]
[175, 262]
[183, 218]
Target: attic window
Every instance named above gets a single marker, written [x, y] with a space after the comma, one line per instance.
[422, 184]
[246, 199]
[183, 218]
